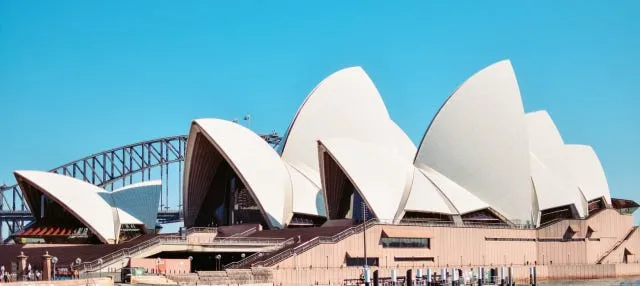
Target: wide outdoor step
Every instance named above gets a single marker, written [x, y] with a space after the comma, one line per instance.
[299, 236]
[240, 274]
[202, 274]
[231, 277]
[184, 278]
[262, 274]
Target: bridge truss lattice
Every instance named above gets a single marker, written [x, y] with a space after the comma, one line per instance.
[157, 159]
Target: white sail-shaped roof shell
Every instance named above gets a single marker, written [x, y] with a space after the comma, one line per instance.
[478, 139]
[307, 198]
[549, 168]
[255, 162]
[140, 201]
[344, 105]
[80, 198]
[550, 190]
[586, 171]
[460, 199]
[381, 177]
[125, 217]
[426, 197]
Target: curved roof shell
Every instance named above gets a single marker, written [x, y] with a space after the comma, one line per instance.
[80, 198]
[461, 200]
[307, 197]
[254, 162]
[381, 177]
[549, 169]
[587, 172]
[140, 201]
[426, 197]
[478, 139]
[344, 105]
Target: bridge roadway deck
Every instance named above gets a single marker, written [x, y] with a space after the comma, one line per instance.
[165, 216]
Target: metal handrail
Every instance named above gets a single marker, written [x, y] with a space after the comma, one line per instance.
[315, 241]
[463, 225]
[177, 240]
[130, 251]
[202, 230]
[616, 245]
[248, 259]
[255, 256]
[246, 232]
[357, 229]
[252, 240]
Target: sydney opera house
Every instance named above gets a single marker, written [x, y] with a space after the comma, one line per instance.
[487, 185]
[482, 160]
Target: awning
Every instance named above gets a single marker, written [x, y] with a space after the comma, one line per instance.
[405, 233]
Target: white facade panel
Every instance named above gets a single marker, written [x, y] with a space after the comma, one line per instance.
[344, 105]
[549, 167]
[256, 163]
[381, 177]
[586, 170]
[543, 133]
[478, 139]
[139, 200]
[461, 199]
[551, 192]
[79, 198]
[126, 218]
[426, 197]
[307, 197]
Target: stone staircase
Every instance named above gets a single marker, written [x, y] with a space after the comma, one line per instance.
[122, 255]
[291, 248]
[616, 245]
[235, 277]
[186, 278]
[152, 280]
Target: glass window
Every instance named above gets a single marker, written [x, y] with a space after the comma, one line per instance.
[400, 259]
[359, 261]
[405, 242]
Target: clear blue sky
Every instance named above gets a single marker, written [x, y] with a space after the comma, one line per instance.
[77, 77]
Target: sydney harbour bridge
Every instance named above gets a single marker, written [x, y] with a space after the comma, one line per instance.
[157, 159]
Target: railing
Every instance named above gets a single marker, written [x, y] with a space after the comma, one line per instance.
[315, 241]
[128, 252]
[246, 232]
[616, 245]
[357, 229]
[462, 225]
[243, 262]
[248, 241]
[251, 258]
[202, 230]
[177, 240]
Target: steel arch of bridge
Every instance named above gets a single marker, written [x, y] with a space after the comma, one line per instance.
[114, 168]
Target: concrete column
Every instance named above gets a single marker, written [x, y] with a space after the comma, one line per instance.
[46, 266]
[22, 265]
